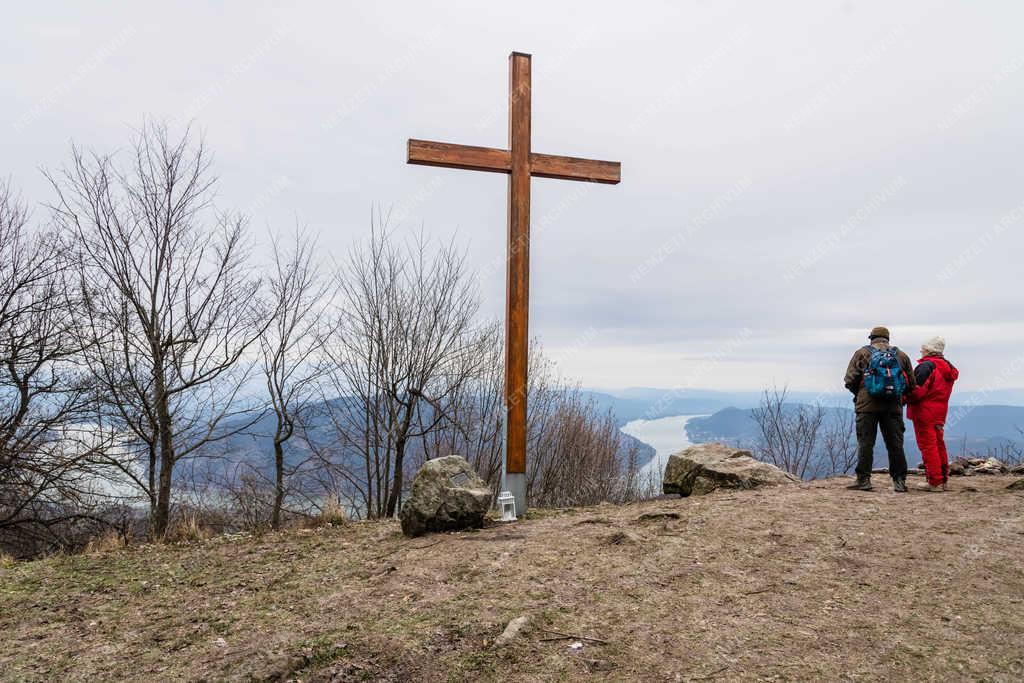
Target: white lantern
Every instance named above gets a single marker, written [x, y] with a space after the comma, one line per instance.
[507, 503]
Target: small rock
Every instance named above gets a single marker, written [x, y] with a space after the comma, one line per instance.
[601, 665]
[657, 516]
[990, 466]
[1017, 485]
[220, 642]
[576, 647]
[622, 538]
[513, 629]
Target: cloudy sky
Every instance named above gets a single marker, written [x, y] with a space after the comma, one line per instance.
[792, 172]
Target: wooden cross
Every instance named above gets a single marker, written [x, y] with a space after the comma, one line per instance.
[519, 162]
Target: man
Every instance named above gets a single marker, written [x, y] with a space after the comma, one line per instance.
[880, 376]
[928, 407]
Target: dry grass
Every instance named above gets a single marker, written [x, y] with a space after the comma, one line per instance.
[332, 514]
[189, 529]
[809, 582]
[109, 540]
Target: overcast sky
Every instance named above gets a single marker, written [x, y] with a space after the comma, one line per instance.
[792, 172]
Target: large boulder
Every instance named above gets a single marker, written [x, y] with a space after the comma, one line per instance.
[447, 495]
[703, 468]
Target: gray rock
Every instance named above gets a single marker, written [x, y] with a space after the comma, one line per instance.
[990, 466]
[513, 629]
[706, 467]
[1017, 485]
[447, 495]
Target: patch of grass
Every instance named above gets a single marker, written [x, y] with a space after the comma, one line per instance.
[322, 651]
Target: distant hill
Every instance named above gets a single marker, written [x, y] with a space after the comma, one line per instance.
[665, 404]
[977, 429]
[647, 402]
[253, 444]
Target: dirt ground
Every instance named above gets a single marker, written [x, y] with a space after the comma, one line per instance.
[806, 582]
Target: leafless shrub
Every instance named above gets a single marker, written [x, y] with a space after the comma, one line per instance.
[247, 498]
[1009, 453]
[577, 454]
[839, 442]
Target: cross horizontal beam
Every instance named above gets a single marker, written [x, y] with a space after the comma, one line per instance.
[448, 155]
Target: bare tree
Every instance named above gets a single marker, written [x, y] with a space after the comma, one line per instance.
[839, 441]
[169, 305]
[474, 411]
[404, 333]
[290, 346]
[44, 482]
[789, 433]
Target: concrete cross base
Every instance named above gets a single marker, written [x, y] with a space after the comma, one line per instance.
[516, 484]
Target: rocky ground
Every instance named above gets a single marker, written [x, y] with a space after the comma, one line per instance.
[802, 582]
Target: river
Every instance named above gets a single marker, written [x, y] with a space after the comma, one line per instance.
[667, 435]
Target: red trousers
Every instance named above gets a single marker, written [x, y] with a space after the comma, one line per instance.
[932, 443]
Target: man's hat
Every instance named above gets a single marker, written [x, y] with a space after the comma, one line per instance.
[879, 332]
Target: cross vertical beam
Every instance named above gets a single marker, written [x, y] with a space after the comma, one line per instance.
[517, 308]
[520, 163]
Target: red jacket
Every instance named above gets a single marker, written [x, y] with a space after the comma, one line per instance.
[929, 400]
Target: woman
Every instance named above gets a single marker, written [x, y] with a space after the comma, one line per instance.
[929, 403]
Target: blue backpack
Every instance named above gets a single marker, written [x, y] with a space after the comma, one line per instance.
[884, 378]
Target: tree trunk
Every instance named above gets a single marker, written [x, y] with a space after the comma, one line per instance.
[275, 515]
[164, 425]
[162, 514]
[396, 483]
[401, 439]
[151, 491]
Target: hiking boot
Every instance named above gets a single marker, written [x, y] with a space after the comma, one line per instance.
[862, 484]
[929, 488]
[899, 485]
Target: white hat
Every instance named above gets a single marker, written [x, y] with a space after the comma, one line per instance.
[934, 345]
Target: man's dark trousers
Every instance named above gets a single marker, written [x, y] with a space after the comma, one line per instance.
[893, 427]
